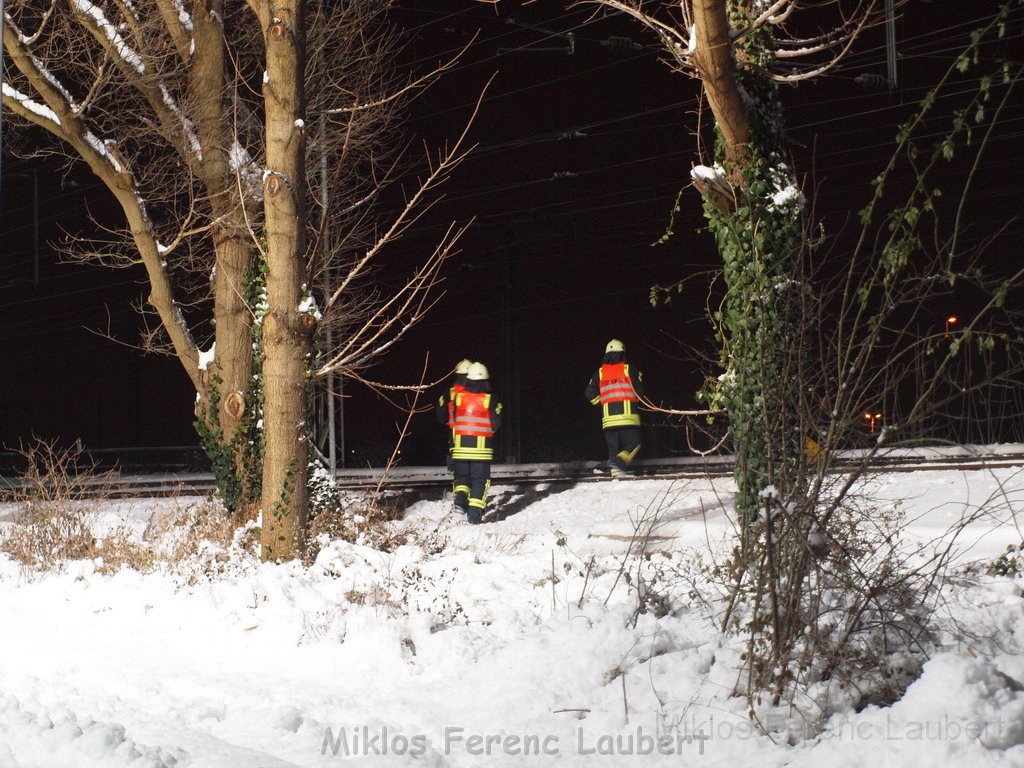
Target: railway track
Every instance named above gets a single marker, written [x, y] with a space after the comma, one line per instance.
[416, 479]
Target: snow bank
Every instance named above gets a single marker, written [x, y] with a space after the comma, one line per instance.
[512, 643]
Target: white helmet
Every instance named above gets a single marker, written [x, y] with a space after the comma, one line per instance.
[463, 367]
[614, 346]
[477, 372]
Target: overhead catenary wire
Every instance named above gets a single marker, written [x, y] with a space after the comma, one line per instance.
[484, 151]
[475, 194]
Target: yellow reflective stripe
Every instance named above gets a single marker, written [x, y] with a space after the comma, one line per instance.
[628, 456]
[625, 419]
[487, 398]
[462, 489]
[621, 420]
[482, 501]
[627, 407]
[478, 454]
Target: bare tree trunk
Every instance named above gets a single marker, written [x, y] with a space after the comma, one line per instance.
[233, 317]
[287, 330]
[715, 63]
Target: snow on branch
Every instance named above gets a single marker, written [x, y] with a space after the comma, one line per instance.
[179, 25]
[33, 108]
[712, 181]
[160, 98]
[117, 43]
[842, 36]
[774, 14]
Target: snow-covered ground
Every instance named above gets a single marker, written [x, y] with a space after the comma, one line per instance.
[512, 643]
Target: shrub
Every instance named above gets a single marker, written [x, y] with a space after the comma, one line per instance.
[199, 529]
[356, 517]
[55, 502]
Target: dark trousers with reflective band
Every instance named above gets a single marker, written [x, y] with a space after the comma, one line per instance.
[472, 481]
[623, 446]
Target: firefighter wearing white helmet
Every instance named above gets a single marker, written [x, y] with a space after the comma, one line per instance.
[444, 407]
[617, 387]
[476, 417]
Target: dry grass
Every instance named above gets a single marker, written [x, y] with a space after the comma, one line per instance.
[58, 499]
[56, 504]
[121, 549]
[367, 523]
[44, 534]
[195, 530]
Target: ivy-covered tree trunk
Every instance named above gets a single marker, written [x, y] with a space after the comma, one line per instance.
[224, 408]
[229, 405]
[287, 327]
[754, 209]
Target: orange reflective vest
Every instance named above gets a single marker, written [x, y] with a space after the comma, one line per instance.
[616, 386]
[472, 414]
[472, 429]
[617, 396]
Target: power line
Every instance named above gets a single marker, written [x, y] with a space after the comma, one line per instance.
[476, 194]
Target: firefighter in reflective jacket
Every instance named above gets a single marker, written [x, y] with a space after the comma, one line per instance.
[476, 415]
[444, 408]
[616, 388]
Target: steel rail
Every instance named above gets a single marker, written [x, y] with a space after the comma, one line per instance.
[415, 478]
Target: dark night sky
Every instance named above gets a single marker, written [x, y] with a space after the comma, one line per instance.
[558, 261]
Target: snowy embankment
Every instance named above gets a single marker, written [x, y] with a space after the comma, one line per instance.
[514, 643]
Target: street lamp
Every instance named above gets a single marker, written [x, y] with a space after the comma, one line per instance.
[872, 417]
[951, 320]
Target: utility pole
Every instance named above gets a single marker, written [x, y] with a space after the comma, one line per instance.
[332, 439]
[510, 375]
[890, 44]
[35, 226]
